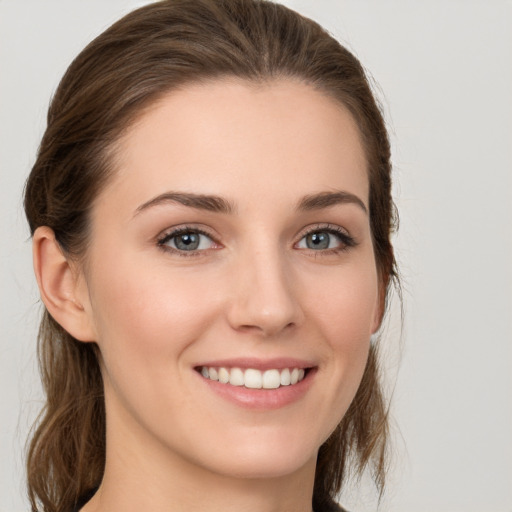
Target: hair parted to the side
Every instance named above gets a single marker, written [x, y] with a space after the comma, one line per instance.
[146, 54]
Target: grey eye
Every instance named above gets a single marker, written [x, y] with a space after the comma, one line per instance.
[320, 240]
[187, 241]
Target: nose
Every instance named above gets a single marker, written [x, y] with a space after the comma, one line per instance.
[263, 301]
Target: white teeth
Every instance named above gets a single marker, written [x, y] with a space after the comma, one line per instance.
[223, 375]
[254, 379]
[271, 379]
[236, 377]
[285, 377]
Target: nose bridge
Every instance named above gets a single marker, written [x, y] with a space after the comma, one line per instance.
[264, 298]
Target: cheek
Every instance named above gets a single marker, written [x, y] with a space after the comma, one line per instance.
[147, 318]
[344, 315]
[144, 317]
[347, 305]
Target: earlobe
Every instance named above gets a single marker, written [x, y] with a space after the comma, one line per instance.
[61, 287]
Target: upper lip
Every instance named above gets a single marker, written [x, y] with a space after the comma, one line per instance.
[279, 363]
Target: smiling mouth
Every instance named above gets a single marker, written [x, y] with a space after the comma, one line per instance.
[251, 378]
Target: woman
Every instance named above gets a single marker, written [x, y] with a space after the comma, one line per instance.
[211, 218]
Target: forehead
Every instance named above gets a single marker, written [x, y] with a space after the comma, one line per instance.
[240, 139]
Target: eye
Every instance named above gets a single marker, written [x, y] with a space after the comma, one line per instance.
[186, 240]
[326, 238]
[319, 240]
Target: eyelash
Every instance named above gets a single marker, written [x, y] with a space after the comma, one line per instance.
[347, 242]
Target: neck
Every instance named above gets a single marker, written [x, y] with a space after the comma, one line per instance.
[154, 478]
[185, 489]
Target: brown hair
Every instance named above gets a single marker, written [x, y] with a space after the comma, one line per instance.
[138, 59]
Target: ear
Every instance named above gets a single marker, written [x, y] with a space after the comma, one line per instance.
[61, 285]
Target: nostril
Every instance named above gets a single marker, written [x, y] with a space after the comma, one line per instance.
[265, 327]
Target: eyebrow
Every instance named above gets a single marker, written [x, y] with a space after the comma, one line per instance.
[327, 199]
[200, 201]
[218, 204]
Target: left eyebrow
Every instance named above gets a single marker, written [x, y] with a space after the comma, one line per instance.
[326, 199]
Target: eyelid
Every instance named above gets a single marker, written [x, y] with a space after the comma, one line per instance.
[188, 226]
[319, 226]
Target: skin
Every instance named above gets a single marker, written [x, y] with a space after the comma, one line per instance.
[254, 289]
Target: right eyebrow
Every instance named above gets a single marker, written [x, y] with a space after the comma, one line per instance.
[200, 201]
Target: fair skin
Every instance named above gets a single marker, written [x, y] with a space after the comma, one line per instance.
[262, 277]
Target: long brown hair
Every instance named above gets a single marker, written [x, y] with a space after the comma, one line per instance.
[146, 54]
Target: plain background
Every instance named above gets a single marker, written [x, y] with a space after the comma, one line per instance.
[444, 75]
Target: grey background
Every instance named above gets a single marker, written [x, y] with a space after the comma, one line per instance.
[444, 75]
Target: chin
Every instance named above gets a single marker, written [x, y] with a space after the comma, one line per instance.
[263, 454]
[264, 466]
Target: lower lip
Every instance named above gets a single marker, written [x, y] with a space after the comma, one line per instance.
[264, 399]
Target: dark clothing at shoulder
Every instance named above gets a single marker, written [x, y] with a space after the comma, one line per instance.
[330, 507]
[84, 499]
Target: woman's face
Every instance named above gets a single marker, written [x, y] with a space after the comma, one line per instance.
[233, 243]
